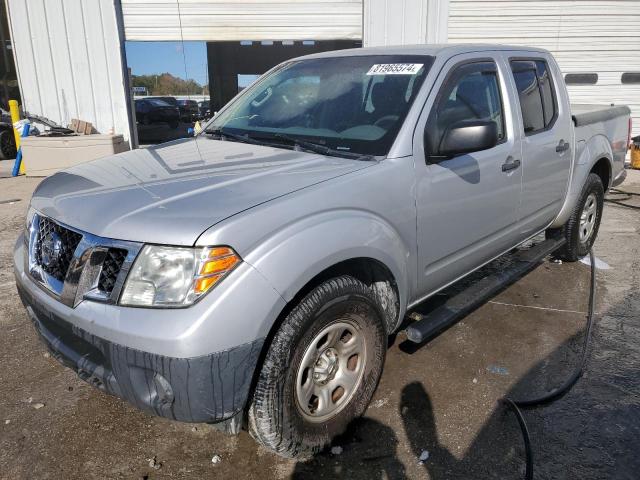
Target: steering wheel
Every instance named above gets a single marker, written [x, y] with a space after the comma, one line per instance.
[386, 121]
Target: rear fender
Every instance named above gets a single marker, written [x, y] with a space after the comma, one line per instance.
[596, 148]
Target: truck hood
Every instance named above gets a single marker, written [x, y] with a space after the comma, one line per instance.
[173, 192]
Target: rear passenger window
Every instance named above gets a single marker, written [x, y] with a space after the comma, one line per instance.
[536, 93]
[472, 92]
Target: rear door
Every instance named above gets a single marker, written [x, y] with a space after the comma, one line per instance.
[466, 205]
[547, 133]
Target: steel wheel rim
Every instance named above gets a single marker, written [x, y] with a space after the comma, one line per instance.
[331, 370]
[588, 218]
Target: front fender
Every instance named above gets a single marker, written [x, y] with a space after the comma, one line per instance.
[596, 148]
[292, 256]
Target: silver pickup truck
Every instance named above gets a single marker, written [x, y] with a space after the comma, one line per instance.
[250, 276]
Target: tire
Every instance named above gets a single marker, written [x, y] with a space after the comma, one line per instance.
[581, 231]
[346, 309]
[7, 144]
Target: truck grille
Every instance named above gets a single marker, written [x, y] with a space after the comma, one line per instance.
[111, 268]
[54, 248]
[75, 265]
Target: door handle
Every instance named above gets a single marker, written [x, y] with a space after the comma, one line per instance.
[562, 146]
[510, 164]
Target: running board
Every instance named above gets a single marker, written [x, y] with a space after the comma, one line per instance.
[442, 317]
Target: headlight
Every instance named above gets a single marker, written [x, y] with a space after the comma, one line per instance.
[175, 276]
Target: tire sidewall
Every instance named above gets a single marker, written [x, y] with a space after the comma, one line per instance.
[359, 311]
[593, 185]
[292, 434]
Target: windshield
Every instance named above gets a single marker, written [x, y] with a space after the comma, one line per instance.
[353, 104]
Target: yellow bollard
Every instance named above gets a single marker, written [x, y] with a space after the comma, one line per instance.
[635, 157]
[14, 110]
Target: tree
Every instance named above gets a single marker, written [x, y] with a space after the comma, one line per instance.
[167, 84]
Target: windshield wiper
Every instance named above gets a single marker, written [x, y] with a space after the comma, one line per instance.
[292, 142]
[223, 133]
[318, 148]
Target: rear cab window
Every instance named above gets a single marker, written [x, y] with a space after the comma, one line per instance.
[536, 94]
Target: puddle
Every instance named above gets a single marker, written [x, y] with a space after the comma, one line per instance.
[600, 264]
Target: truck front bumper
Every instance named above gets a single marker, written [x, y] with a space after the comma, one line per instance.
[205, 388]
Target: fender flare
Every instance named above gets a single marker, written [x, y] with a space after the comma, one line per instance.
[595, 149]
[292, 256]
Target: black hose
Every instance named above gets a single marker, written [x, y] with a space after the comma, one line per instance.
[620, 201]
[622, 192]
[525, 435]
[516, 405]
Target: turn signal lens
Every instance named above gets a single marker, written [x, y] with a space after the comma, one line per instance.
[216, 264]
[205, 283]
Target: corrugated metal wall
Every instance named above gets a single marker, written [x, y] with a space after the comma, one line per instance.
[599, 36]
[69, 62]
[404, 22]
[242, 20]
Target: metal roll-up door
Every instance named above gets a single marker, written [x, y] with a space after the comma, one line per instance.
[587, 36]
[215, 20]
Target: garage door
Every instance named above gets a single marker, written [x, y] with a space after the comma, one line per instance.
[595, 41]
[216, 20]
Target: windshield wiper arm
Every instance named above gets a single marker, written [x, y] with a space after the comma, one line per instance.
[222, 133]
[321, 149]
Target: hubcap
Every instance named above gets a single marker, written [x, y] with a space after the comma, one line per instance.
[588, 218]
[331, 371]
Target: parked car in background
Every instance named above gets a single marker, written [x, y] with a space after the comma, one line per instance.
[189, 110]
[205, 109]
[250, 276]
[173, 101]
[155, 110]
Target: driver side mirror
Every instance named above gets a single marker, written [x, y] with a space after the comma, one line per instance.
[468, 136]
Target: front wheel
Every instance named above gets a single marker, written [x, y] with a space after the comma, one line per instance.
[581, 229]
[321, 369]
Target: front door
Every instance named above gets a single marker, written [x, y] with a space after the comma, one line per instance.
[466, 205]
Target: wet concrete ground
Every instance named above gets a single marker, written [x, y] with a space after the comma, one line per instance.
[441, 398]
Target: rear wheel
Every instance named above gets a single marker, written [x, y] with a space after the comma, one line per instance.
[321, 369]
[581, 229]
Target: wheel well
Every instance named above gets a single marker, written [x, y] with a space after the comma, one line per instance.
[369, 271]
[372, 273]
[602, 169]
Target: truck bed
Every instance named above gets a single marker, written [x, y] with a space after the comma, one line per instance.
[586, 114]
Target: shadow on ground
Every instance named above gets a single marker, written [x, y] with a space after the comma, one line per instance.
[587, 434]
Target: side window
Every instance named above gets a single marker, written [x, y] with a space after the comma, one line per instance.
[546, 88]
[536, 94]
[472, 92]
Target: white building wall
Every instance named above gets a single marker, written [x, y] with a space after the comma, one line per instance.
[404, 22]
[216, 20]
[69, 63]
[585, 36]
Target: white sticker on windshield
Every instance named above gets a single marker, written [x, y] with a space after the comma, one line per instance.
[395, 69]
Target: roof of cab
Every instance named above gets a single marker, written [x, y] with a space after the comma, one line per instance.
[426, 49]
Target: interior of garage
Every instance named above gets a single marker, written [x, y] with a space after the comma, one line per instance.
[232, 62]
